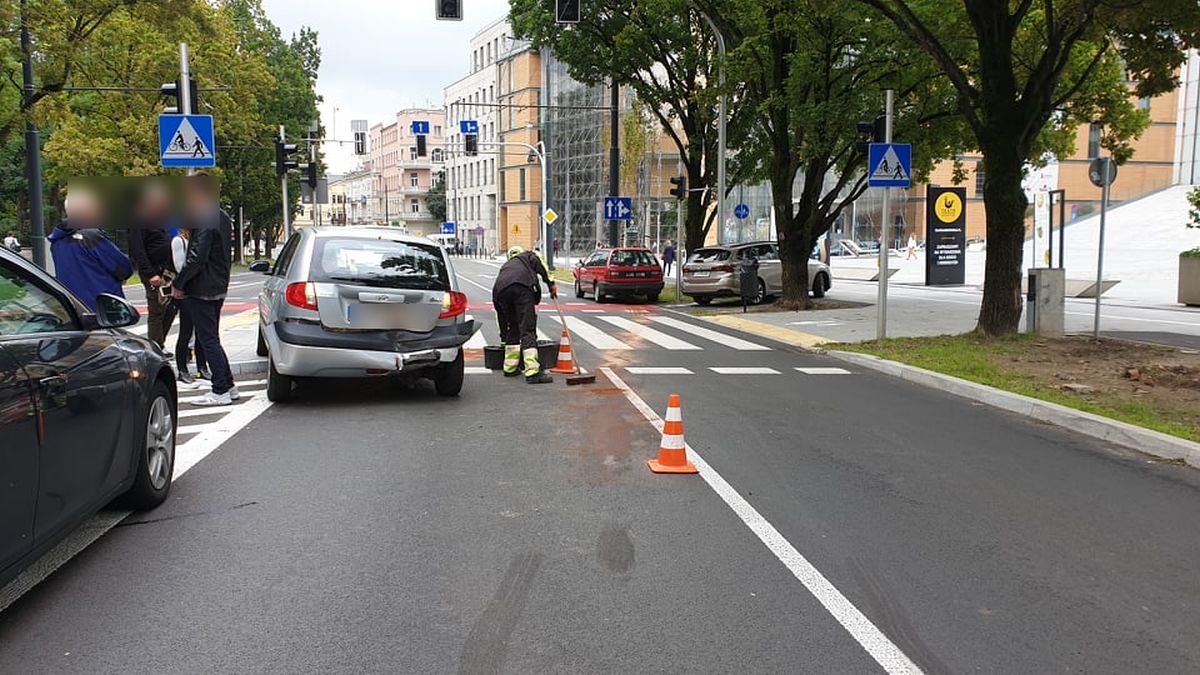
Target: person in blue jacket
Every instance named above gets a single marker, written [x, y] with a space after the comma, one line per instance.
[86, 261]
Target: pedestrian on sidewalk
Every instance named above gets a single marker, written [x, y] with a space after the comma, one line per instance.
[186, 337]
[203, 283]
[516, 293]
[668, 257]
[12, 243]
[86, 261]
[150, 248]
[912, 247]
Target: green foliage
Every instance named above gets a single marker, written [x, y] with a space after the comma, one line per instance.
[1194, 207]
[435, 199]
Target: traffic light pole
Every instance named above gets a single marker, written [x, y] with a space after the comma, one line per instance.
[283, 180]
[723, 116]
[185, 86]
[885, 226]
[33, 153]
[614, 157]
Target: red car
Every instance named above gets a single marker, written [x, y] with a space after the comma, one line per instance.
[619, 272]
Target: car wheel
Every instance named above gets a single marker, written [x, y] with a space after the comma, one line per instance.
[819, 286]
[598, 292]
[279, 387]
[578, 289]
[449, 379]
[760, 294]
[156, 451]
[261, 348]
[702, 300]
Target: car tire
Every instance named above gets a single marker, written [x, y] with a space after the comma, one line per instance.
[261, 348]
[820, 285]
[156, 451]
[578, 289]
[449, 378]
[598, 292]
[279, 387]
[760, 295]
[702, 300]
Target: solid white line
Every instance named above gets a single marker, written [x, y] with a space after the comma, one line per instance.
[715, 336]
[592, 335]
[823, 371]
[594, 311]
[189, 454]
[488, 276]
[477, 341]
[476, 284]
[640, 370]
[649, 334]
[477, 370]
[745, 371]
[867, 634]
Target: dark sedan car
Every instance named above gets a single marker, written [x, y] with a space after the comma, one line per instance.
[87, 412]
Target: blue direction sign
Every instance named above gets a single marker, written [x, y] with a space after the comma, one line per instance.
[741, 211]
[449, 227]
[468, 126]
[618, 208]
[186, 141]
[889, 165]
[420, 127]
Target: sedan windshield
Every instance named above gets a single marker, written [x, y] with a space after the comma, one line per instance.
[381, 263]
[706, 255]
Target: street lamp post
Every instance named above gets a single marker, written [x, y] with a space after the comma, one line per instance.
[722, 116]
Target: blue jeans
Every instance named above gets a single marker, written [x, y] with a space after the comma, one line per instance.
[206, 321]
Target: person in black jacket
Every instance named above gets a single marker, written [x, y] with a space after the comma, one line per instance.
[515, 295]
[150, 248]
[204, 281]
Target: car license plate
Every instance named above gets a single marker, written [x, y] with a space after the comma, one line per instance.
[700, 275]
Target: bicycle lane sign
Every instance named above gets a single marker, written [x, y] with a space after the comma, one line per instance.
[186, 141]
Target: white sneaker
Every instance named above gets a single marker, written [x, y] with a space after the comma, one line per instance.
[212, 399]
[188, 385]
[234, 394]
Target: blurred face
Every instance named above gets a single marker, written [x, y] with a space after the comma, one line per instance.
[155, 203]
[83, 208]
[199, 199]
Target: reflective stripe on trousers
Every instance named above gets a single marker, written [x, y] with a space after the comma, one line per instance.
[532, 367]
[512, 358]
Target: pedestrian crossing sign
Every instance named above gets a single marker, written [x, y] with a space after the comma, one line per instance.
[889, 165]
[186, 141]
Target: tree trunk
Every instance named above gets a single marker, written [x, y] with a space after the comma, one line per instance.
[794, 245]
[694, 218]
[1004, 204]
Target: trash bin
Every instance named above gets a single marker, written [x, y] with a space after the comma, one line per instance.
[748, 278]
[493, 355]
[1044, 305]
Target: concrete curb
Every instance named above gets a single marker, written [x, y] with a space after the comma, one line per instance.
[1146, 441]
[255, 367]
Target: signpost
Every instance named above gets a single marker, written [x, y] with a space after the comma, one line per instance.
[889, 165]
[945, 236]
[741, 211]
[618, 208]
[468, 126]
[1102, 172]
[186, 141]
[449, 227]
[420, 128]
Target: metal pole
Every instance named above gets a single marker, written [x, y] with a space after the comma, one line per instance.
[1062, 229]
[722, 116]
[545, 229]
[680, 249]
[881, 325]
[1100, 251]
[614, 158]
[33, 153]
[283, 186]
[185, 87]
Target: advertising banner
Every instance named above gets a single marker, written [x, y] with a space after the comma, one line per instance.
[946, 236]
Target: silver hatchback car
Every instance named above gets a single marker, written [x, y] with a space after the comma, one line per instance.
[361, 302]
[712, 272]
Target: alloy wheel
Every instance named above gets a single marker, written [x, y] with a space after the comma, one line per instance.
[160, 442]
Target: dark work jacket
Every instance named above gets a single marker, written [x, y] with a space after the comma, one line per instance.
[205, 272]
[150, 248]
[524, 270]
[88, 263]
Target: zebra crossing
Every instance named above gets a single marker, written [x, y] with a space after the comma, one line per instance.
[610, 332]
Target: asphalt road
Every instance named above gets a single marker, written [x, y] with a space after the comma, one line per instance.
[516, 529]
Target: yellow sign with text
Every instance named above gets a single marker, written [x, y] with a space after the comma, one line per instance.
[948, 207]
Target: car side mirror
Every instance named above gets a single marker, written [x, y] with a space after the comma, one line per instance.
[115, 312]
[260, 266]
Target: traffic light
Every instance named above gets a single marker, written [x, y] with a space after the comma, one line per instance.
[449, 10]
[360, 143]
[171, 91]
[680, 190]
[566, 11]
[876, 131]
[283, 160]
[310, 173]
[421, 149]
[471, 144]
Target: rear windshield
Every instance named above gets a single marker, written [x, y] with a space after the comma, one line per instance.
[380, 262]
[705, 255]
[632, 259]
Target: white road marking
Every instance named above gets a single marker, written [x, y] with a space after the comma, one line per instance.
[649, 334]
[477, 370]
[823, 371]
[592, 335]
[707, 334]
[594, 311]
[867, 634]
[476, 284]
[477, 341]
[745, 371]
[488, 276]
[640, 370]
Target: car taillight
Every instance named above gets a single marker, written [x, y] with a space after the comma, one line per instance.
[453, 304]
[301, 294]
[723, 268]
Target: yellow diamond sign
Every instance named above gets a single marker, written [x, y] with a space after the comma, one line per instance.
[550, 216]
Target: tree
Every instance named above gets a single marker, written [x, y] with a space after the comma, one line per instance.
[1026, 74]
[664, 51]
[435, 199]
[806, 73]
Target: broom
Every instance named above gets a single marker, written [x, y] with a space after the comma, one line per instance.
[578, 377]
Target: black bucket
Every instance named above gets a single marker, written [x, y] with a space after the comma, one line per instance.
[493, 356]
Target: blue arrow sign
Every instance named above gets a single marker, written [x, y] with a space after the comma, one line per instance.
[186, 141]
[449, 227]
[889, 165]
[741, 211]
[420, 127]
[618, 208]
[469, 126]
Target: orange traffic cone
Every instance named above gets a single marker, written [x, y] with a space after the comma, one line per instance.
[672, 453]
[566, 362]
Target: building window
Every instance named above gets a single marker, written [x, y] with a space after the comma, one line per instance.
[980, 179]
[502, 198]
[1144, 103]
[437, 155]
[1093, 149]
[414, 206]
[521, 186]
[437, 130]
[414, 180]
[412, 152]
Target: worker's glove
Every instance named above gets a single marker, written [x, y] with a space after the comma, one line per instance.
[554, 290]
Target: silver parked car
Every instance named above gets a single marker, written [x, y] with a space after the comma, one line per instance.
[361, 302]
[712, 272]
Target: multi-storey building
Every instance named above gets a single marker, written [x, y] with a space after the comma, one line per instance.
[519, 96]
[401, 178]
[356, 189]
[472, 181]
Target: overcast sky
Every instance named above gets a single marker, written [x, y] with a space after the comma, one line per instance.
[380, 56]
